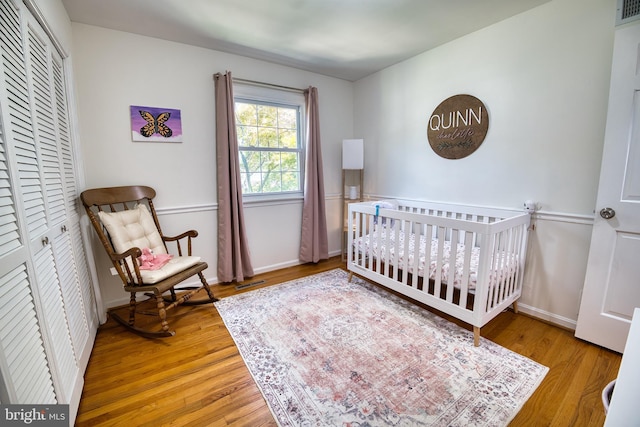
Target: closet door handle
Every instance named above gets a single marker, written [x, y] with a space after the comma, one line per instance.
[45, 241]
[607, 213]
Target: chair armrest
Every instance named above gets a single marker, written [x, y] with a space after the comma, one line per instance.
[123, 266]
[190, 234]
[132, 252]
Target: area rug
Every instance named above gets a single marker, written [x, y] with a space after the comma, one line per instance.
[326, 352]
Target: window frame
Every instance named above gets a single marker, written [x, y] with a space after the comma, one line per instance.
[255, 94]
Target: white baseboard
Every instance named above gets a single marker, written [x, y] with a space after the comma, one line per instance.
[546, 316]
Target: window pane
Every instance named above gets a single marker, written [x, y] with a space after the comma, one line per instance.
[250, 182]
[244, 179]
[290, 181]
[287, 118]
[249, 161]
[268, 137]
[288, 138]
[246, 114]
[290, 162]
[247, 136]
[272, 161]
[271, 182]
[267, 115]
[254, 183]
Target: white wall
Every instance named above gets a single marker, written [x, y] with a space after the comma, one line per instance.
[114, 70]
[544, 77]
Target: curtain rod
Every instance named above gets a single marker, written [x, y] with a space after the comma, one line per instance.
[271, 85]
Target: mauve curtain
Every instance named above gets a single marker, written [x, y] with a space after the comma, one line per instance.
[314, 243]
[234, 260]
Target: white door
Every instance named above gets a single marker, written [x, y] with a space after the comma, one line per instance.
[612, 283]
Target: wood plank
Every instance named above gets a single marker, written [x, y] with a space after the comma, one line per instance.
[198, 378]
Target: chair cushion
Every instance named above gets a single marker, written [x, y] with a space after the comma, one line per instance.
[132, 228]
[135, 228]
[175, 265]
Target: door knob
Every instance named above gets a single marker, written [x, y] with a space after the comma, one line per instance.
[607, 213]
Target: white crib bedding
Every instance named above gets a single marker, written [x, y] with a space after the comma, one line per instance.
[504, 266]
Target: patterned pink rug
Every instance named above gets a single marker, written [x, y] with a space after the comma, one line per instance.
[326, 352]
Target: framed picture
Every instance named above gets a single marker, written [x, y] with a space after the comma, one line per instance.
[154, 124]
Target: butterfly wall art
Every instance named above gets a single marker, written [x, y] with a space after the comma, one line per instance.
[153, 124]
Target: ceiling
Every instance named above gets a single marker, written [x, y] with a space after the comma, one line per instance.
[347, 39]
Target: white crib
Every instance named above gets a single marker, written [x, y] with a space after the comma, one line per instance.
[407, 246]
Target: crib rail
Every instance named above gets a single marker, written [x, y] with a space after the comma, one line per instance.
[466, 262]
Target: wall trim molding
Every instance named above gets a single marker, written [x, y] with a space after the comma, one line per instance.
[567, 217]
[248, 204]
[175, 210]
[564, 217]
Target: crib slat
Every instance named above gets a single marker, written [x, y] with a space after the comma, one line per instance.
[520, 241]
[387, 251]
[507, 277]
[376, 234]
[441, 233]
[428, 257]
[453, 256]
[357, 254]
[395, 248]
[492, 266]
[495, 285]
[466, 270]
[504, 239]
[370, 252]
[514, 254]
[405, 250]
[416, 254]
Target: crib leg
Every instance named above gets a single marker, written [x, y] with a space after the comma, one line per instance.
[350, 276]
[476, 336]
[515, 307]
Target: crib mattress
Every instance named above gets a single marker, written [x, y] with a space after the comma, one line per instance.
[384, 246]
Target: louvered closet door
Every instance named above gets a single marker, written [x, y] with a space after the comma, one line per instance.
[70, 255]
[25, 368]
[41, 172]
[23, 361]
[54, 261]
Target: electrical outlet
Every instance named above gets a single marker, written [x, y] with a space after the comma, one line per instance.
[113, 271]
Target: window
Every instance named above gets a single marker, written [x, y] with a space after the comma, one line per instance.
[270, 146]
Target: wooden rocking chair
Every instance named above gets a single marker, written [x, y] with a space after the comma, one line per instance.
[126, 223]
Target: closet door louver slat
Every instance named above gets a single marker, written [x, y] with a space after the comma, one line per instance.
[64, 138]
[84, 279]
[9, 236]
[71, 292]
[44, 112]
[56, 321]
[20, 120]
[21, 342]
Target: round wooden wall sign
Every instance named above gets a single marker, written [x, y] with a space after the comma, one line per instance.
[458, 126]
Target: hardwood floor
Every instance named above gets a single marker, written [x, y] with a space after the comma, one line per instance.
[198, 378]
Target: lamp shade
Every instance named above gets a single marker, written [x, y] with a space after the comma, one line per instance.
[352, 154]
